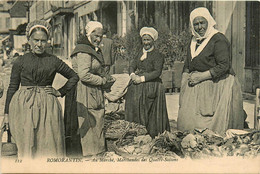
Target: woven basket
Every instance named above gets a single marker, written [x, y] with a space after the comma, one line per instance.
[124, 154]
[7, 148]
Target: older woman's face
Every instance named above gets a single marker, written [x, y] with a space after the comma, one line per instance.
[200, 25]
[96, 37]
[147, 41]
[38, 41]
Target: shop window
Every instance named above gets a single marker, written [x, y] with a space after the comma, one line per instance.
[57, 36]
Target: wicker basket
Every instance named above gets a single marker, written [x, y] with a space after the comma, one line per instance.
[119, 152]
[7, 148]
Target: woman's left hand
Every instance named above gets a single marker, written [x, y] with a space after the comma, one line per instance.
[52, 91]
[137, 80]
[197, 77]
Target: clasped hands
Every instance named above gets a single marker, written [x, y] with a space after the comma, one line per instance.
[135, 78]
[197, 77]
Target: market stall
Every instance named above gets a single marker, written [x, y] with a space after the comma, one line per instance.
[130, 140]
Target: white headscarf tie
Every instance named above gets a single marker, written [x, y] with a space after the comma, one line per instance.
[90, 27]
[144, 56]
[211, 31]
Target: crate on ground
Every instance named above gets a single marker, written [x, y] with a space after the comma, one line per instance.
[177, 74]
[172, 78]
[167, 79]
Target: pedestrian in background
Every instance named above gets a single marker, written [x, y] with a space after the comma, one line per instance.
[106, 47]
[211, 95]
[32, 109]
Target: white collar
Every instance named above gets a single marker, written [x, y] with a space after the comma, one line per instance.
[195, 52]
[144, 56]
[151, 49]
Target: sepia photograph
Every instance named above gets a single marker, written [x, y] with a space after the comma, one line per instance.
[129, 86]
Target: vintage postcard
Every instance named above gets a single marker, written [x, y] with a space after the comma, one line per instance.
[96, 86]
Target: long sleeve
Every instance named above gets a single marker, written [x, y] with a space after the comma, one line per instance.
[84, 63]
[133, 66]
[111, 54]
[158, 66]
[186, 62]
[14, 84]
[67, 72]
[222, 58]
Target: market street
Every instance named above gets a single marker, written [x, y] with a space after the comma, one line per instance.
[172, 99]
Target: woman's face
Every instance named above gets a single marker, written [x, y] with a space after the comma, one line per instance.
[200, 25]
[96, 36]
[38, 41]
[147, 41]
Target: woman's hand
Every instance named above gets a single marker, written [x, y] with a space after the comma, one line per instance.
[133, 76]
[52, 91]
[137, 80]
[197, 77]
[104, 80]
[6, 122]
[185, 75]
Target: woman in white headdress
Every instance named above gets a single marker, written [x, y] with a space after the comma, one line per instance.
[145, 98]
[210, 96]
[84, 105]
[32, 108]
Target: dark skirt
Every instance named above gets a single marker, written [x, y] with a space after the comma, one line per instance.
[146, 105]
[72, 136]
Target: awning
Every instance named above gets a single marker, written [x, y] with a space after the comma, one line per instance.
[58, 12]
[87, 8]
[63, 11]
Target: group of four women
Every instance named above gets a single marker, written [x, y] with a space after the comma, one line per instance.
[210, 94]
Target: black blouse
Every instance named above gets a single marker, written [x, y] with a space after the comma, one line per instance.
[39, 70]
[150, 68]
[215, 57]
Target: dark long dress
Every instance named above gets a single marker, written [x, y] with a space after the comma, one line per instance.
[35, 117]
[146, 102]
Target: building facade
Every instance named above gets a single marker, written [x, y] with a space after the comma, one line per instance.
[238, 20]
